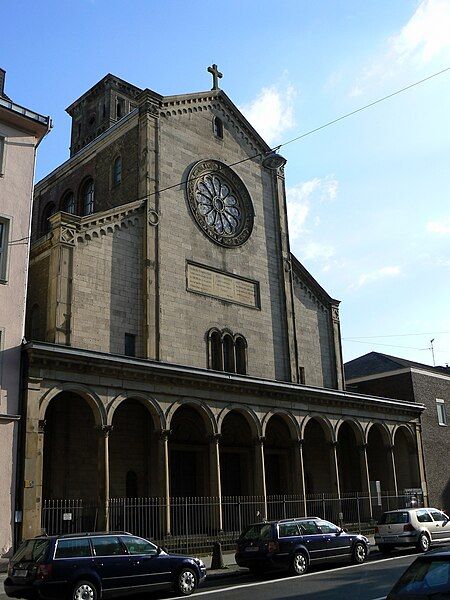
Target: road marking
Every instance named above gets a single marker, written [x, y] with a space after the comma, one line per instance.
[245, 585]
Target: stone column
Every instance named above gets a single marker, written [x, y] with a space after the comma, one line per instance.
[103, 475]
[394, 471]
[215, 483]
[421, 462]
[33, 462]
[260, 475]
[337, 345]
[299, 473]
[335, 467]
[163, 477]
[365, 478]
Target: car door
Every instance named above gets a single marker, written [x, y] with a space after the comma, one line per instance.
[111, 562]
[441, 525]
[149, 566]
[312, 538]
[337, 542]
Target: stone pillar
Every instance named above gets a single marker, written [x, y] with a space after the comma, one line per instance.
[335, 467]
[421, 462]
[394, 471]
[59, 302]
[103, 475]
[260, 476]
[337, 345]
[365, 478]
[215, 483]
[299, 474]
[33, 462]
[163, 477]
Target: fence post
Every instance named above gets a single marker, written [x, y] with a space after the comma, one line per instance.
[359, 513]
[186, 520]
[323, 506]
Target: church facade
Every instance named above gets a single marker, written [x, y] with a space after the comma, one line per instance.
[177, 349]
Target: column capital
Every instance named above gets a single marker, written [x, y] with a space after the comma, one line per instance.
[214, 437]
[390, 447]
[41, 425]
[163, 434]
[259, 440]
[104, 430]
[363, 446]
[299, 443]
[333, 444]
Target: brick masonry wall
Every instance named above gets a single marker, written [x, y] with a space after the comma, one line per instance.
[108, 292]
[100, 169]
[436, 438]
[186, 317]
[314, 338]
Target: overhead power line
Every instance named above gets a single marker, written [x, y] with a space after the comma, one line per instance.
[392, 345]
[368, 337]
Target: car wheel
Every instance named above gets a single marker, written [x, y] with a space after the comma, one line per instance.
[299, 564]
[359, 553]
[423, 543]
[385, 549]
[84, 590]
[186, 582]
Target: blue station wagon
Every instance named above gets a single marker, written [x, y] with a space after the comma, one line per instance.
[97, 565]
[294, 544]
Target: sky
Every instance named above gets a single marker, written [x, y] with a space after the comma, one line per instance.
[368, 197]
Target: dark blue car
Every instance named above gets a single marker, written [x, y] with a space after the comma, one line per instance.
[294, 544]
[97, 565]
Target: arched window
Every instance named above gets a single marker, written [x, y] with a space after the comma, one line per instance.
[229, 363]
[218, 127]
[48, 211]
[87, 195]
[241, 359]
[68, 203]
[120, 108]
[215, 351]
[117, 171]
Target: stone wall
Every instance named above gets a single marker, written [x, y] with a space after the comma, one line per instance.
[314, 337]
[38, 280]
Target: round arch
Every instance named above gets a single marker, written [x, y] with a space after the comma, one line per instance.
[356, 426]
[150, 404]
[383, 429]
[288, 418]
[202, 408]
[250, 416]
[410, 434]
[96, 405]
[324, 423]
[406, 458]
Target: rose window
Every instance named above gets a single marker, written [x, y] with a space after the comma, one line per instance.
[220, 203]
[217, 204]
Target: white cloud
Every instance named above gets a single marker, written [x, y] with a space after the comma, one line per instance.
[301, 197]
[423, 39]
[376, 275]
[272, 112]
[439, 226]
[316, 250]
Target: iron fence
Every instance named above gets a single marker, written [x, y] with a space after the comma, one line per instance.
[192, 524]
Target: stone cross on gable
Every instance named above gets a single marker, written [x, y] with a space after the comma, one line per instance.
[216, 76]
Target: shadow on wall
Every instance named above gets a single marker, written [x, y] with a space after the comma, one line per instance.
[446, 498]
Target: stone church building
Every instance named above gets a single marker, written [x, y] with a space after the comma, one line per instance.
[176, 347]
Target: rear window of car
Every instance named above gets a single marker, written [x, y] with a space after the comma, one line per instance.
[107, 546]
[394, 518]
[309, 528]
[73, 548]
[425, 576]
[31, 551]
[260, 531]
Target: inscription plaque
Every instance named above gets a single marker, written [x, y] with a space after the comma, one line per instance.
[210, 282]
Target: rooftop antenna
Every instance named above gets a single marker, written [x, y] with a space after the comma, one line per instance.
[432, 352]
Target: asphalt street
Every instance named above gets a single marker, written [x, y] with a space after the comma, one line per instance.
[370, 581]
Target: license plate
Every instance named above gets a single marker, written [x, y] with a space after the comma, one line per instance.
[20, 573]
[251, 549]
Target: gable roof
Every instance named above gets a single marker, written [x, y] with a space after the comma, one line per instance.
[374, 363]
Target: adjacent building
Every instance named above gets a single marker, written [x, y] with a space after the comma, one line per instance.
[394, 377]
[179, 355]
[21, 131]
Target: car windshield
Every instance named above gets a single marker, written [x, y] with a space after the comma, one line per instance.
[394, 518]
[425, 576]
[31, 551]
[261, 531]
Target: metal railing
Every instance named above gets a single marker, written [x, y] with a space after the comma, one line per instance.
[192, 524]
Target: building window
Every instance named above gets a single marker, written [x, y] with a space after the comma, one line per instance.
[130, 344]
[301, 375]
[49, 210]
[68, 203]
[4, 235]
[2, 155]
[218, 127]
[120, 106]
[442, 415]
[117, 171]
[227, 352]
[88, 197]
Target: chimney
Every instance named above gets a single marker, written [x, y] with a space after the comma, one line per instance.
[2, 81]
